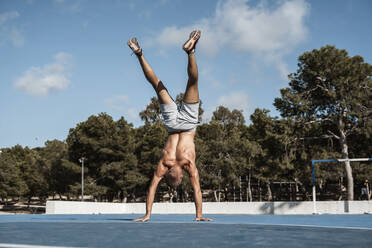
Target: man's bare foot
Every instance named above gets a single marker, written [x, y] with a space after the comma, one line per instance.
[133, 44]
[142, 219]
[189, 45]
[203, 219]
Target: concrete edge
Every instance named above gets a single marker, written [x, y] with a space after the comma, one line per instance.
[302, 207]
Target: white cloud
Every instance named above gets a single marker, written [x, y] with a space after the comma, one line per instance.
[122, 104]
[131, 5]
[85, 24]
[145, 14]
[207, 73]
[164, 2]
[117, 102]
[235, 25]
[40, 81]
[8, 31]
[4, 17]
[72, 6]
[233, 100]
[276, 60]
[16, 37]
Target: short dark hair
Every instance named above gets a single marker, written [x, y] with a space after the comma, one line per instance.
[174, 177]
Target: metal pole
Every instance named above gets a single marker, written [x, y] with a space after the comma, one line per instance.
[240, 189]
[81, 160]
[246, 178]
[82, 181]
[314, 189]
[219, 185]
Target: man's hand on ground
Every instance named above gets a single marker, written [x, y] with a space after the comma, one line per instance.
[202, 219]
[143, 219]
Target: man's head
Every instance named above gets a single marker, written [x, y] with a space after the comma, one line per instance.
[174, 176]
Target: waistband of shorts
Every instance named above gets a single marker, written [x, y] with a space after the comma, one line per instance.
[191, 103]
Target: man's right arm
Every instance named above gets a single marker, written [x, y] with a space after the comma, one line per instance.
[158, 175]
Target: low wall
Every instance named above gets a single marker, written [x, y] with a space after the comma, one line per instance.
[305, 207]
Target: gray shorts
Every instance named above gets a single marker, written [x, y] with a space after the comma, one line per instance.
[182, 119]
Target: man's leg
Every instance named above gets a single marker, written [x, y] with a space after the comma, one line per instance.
[161, 91]
[192, 91]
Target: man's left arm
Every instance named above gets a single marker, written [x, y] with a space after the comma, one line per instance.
[194, 180]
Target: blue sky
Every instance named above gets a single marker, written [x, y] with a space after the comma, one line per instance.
[64, 60]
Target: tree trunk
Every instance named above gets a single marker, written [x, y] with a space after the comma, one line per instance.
[186, 196]
[234, 193]
[345, 155]
[249, 189]
[215, 195]
[172, 195]
[350, 181]
[342, 188]
[269, 193]
[259, 191]
[296, 190]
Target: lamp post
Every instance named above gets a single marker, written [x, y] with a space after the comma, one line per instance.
[219, 185]
[81, 160]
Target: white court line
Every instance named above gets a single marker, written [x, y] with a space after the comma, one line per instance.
[299, 225]
[31, 246]
[260, 224]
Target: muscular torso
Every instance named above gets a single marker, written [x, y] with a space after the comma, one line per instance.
[179, 150]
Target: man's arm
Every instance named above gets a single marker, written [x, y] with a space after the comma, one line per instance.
[194, 180]
[158, 175]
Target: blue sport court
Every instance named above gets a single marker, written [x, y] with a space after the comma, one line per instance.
[117, 230]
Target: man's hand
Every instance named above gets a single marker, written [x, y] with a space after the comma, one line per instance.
[202, 219]
[143, 219]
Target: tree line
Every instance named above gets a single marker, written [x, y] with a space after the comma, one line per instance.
[325, 113]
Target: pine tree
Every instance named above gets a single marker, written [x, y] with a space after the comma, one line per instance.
[333, 89]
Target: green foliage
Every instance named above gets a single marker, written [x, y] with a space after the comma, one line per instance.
[273, 137]
[221, 156]
[332, 92]
[60, 171]
[23, 173]
[226, 117]
[328, 85]
[152, 112]
[104, 143]
[11, 181]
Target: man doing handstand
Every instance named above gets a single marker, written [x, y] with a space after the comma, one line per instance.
[179, 150]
